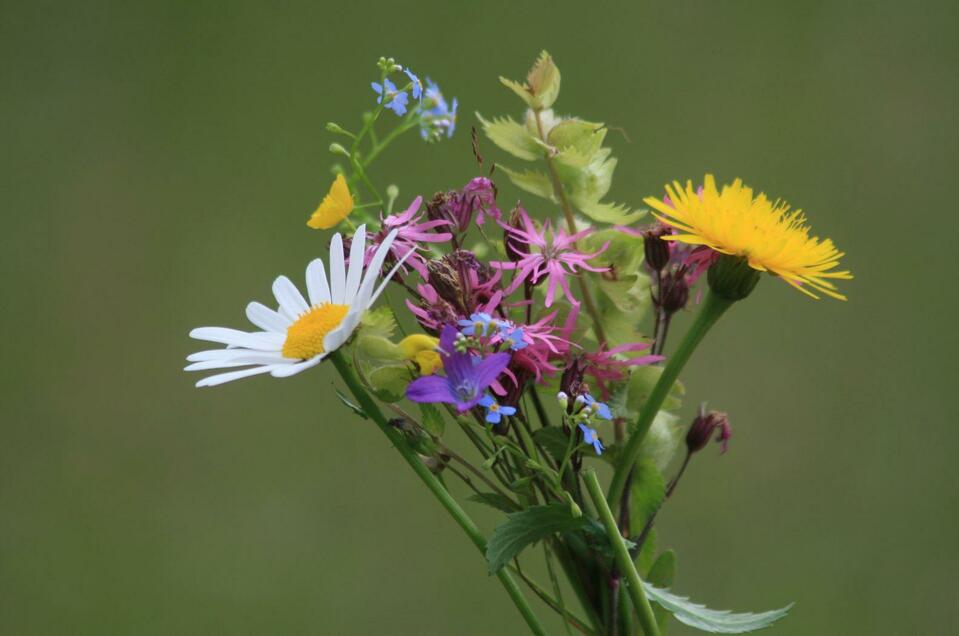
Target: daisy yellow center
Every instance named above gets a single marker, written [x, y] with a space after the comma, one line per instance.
[768, 234]
[304, 338]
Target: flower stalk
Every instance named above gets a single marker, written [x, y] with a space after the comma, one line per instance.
[714, 306]
[625, 562]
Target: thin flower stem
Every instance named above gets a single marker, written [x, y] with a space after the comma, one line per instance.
[476, 471]
[634, 584]
[572, 619]
[571, 224]
[713, 307]
[435, 487]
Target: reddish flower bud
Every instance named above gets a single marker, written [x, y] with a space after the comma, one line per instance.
[673, 291]
[515, 248]
[703, 427]
[657, 250]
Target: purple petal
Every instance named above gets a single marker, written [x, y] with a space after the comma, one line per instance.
[430, 388]
[489, 369]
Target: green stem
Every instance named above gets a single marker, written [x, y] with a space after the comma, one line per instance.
[557, 605]
[713, 307]
[571, 224]
[635, 586]
[433, 484]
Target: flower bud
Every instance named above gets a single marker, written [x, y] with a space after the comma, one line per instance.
[444, 280]
[337, 149]
[673, 291]
[731, 277]
[516, 250]
[703, 427]
[656, 249]
[563, 399]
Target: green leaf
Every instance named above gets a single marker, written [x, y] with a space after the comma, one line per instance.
[662, 575]
[641, 383]
[663, 439]
[512, 137]
[525, 528]
[389, 383]
[356, 408]
[375, 349]
[647, 553]
[432, 420]
[379, 322]
[710, 620]
[520, 89]
[646, 496]
[615, 213]
[553, 439]
[585, 138]
[494, 500]
[534, 182]
[543, 82]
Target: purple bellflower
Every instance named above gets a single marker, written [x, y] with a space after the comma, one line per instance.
[467, 375]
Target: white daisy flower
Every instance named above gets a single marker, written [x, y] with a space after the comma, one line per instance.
[299, 335]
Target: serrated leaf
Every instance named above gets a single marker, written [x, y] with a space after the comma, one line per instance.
[646, 495]
[356, 408]
[613, 213]
[520, 89]
[534, 182]
[494, 500]
[543, 81]
[710, 620]
[553, 440]
[583, 137]
[512, 137]
[525, 528]
[662, 574]
[378, 322]
[389, 383]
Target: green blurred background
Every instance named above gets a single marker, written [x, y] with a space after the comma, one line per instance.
[159, 162]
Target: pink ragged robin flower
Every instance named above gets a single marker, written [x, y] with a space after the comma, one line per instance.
[551, 257]
[411, 230]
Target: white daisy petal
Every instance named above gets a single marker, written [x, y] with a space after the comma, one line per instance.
[355, 273]
[214, 364]
[337, 270]
[240, 357]
[265, 318]
[261, 341]
[215, 380]
[373, 271]
[386, 279]
[289, 296]
[317, 287]
[287, 370]
[335, 339]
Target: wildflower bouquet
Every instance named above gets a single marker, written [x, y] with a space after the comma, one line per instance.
[541, 336]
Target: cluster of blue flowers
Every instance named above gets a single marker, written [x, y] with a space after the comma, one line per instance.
[436, 117]
[586, 413]
[482, 324]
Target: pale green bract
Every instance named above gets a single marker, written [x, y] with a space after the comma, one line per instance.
[710, 620]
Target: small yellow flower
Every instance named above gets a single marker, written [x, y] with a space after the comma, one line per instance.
[769, 235]
[421, 349]
[336, 206]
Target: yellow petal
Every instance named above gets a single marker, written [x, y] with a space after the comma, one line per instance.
[336, 206]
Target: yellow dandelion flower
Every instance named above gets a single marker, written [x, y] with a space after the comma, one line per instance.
[421, 349]
[336, 206]
[767, 234]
